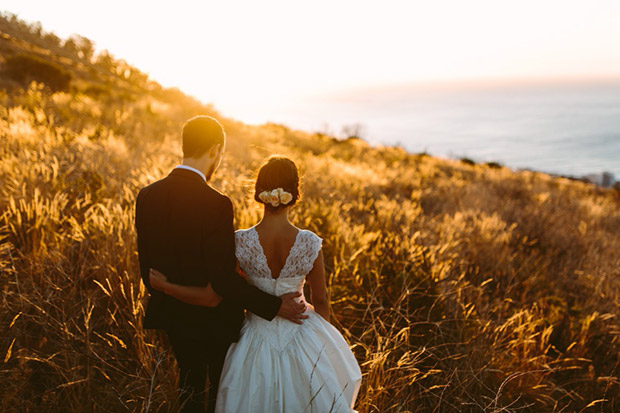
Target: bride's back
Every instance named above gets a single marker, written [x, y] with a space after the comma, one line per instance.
[292, 256]
[276, 244]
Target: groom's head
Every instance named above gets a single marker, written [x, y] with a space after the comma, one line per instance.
[203, 143]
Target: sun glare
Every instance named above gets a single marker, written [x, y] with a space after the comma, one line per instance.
[237, 54]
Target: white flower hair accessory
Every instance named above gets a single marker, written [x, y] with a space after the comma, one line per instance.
[276, 197]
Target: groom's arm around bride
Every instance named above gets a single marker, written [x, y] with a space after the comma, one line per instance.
[227, 282]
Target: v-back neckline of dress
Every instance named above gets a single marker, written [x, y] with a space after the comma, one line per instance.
[266, 262]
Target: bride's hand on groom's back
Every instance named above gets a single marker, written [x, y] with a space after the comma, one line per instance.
[291, 309]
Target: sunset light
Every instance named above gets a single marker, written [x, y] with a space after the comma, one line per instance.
[239, 54]
[324, 206]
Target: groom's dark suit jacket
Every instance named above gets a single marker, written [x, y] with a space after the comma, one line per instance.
[185, 230]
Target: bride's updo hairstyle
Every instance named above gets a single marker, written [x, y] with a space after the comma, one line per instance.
[277, 172]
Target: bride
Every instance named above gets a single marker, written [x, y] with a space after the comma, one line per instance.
[280, 366]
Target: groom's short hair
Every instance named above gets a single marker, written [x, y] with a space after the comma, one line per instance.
[200, 134]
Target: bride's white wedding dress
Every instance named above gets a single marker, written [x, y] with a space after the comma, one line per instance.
[280, 366]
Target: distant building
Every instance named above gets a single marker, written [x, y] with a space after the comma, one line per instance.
[604, 179]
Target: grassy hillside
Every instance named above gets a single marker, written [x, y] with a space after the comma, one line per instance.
[460, 287]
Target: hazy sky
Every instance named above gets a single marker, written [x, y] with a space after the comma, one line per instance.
[232, 51]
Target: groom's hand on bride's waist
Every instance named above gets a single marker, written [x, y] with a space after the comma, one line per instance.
[291, 309]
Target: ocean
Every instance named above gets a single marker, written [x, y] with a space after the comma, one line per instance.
[564, 128]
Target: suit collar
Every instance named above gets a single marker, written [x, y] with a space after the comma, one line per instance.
[196, 171]
[187, 174]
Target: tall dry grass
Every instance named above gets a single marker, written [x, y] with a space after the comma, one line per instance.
[459, 287]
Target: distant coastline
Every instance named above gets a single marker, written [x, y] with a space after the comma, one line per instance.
[559, 128]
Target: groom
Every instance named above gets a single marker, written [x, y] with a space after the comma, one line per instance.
[185, 230]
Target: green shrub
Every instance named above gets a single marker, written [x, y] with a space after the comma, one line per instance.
[493, 165]
[26, 68]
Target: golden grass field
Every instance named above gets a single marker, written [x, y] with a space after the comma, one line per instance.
[459, 287]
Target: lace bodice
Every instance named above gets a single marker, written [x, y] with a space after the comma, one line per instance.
[292, 277]
[298, 264]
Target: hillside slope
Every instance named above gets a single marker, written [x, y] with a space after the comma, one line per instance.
[460, 287]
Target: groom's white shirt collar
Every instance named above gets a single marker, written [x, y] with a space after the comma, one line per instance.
[189, 168]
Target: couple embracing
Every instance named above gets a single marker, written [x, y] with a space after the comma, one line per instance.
[282, 354]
